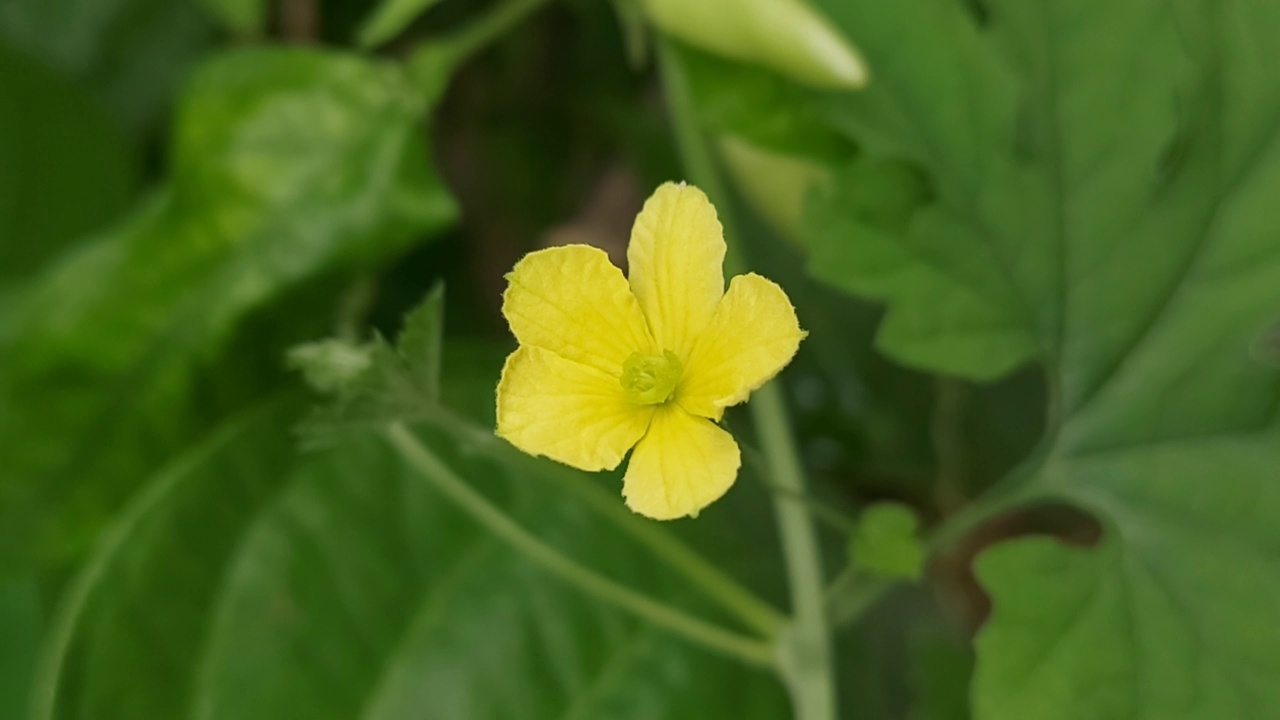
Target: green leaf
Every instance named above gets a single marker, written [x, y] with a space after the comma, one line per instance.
[421, 342]
[375, 383]
[762, 108]
[49, 133]
[289, 166]
[21, 622]
[1168, 616]
[362, 595]
[885, 542]
[127, 635]
[390, 19]
[358, 591]
[244, 17]
[1102, 176]
[131, 54]
[331, 365]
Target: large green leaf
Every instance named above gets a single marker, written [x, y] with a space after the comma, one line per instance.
[65, 168]
[361, 594]
[359, 591]
[138, 609]
[1100, 200]
[21, 623]
[288, 166]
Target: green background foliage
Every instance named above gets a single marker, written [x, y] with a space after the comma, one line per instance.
[1038, 257]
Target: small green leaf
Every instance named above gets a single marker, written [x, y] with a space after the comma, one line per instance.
[330, 366]
[421, 342]
[389, 19]
[375, 383]
[886, 542]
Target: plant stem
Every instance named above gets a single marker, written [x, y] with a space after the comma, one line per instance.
[807, 663]
[810, 662]
[1013, 491]
[834, 519]
[749, 650]
[492, 25]
[708, 579]
[946, 428]
[433, 62]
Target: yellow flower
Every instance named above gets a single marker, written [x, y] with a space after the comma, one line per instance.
[606, 364]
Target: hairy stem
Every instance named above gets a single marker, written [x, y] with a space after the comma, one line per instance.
[712, 637]
[806, 663]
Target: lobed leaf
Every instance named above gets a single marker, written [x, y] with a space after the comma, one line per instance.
[1100, 176]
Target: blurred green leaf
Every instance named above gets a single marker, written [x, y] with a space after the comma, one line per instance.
[131, 54]
[777, 185]
[362, 594]
[128, 633]
[762, 108]
[65, 168]
[21, 622]
[389, 19]
[372, 384]
[244, 17]
[943, 669]
[1103, 207]
[886, 541]
[331, 365]
[288, 166]
[359, 592]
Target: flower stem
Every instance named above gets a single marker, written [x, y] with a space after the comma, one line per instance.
[492, 25]
[703, 576]
[712, 637]
[806, 665]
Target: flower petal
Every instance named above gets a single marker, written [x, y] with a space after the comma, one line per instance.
[677, 257]
[569, 412]
[753, 334]
[572, 301]
[683, 464]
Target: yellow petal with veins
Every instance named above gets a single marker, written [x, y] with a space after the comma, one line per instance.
[677, 257]
[683, 464]
[572, 301]
[571, 413]
[753, 335]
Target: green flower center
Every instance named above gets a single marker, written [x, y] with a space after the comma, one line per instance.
[651, 379]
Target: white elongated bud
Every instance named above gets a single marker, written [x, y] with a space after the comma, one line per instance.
[787, 36]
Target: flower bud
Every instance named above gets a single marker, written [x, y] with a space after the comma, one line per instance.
[787, 36]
